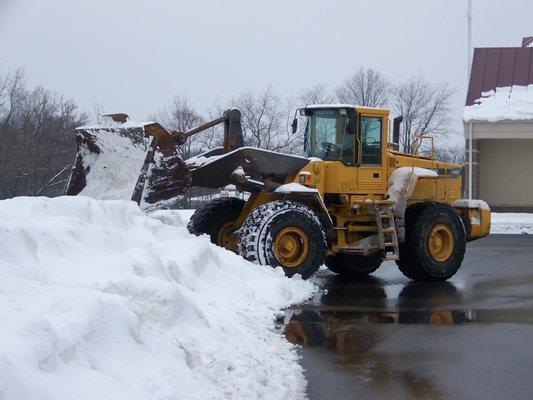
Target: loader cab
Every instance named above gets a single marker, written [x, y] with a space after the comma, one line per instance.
[330, 134]
[355, 136]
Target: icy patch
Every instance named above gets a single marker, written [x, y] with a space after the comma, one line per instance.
[97, 300]
[511, 223]
[505, 103]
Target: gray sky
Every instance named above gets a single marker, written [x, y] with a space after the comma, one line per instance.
[135, 55]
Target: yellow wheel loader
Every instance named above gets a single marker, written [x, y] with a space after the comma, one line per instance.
[352, 202]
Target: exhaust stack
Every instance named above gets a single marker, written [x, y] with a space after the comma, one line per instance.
[396, 132]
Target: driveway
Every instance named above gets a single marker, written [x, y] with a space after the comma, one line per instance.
[387, 337]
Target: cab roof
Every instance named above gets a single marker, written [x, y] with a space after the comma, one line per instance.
[343, 105]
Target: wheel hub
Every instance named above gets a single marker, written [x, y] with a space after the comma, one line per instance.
[291, 246]
[441, 242]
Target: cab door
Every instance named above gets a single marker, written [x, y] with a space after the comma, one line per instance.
[371, 153]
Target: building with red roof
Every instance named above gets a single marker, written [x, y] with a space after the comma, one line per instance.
[498, 118]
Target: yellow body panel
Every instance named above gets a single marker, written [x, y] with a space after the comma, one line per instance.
[354, 187]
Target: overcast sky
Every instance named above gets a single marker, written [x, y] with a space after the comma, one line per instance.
[135, 55]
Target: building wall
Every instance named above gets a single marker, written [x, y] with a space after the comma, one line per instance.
[506, 173]
[501, 130]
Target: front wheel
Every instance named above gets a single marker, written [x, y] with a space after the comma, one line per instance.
[284, 234]
[217, 219]
[435, 244]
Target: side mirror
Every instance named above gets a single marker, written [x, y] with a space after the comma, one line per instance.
[294, 125]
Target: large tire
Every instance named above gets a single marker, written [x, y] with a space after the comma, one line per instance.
[411, 215]
[284, 234]
[435, 243]
[353, 265]
[215, 219]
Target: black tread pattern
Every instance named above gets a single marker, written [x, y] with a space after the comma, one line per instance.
[204, 215]
[414, 260]
[411, 215]
[256, 241]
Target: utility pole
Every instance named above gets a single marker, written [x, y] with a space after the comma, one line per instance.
[469, 68]
[469, 44]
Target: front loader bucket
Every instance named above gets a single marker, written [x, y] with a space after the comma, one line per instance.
[128, 161]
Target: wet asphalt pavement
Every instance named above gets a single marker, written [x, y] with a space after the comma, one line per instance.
[388, 337]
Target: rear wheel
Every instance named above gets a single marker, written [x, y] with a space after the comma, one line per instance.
[285, 234]
[435, 244]
[353, 265]
[217, 219]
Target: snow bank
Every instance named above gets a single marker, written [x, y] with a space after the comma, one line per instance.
[505, 103]
[511, 223]
[99, 301]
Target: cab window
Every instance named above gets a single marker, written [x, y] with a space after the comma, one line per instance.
[371, 140]
[330, 135]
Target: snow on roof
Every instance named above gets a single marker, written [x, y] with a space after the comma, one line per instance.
[337, 105]
[512, 103]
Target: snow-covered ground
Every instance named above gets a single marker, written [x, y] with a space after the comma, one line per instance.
[514, 223]
[99, 301]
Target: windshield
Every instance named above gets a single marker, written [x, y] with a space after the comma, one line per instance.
[329, 136]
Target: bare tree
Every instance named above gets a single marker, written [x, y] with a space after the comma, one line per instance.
[214, 136]
[181, 116]
[98, 110]
[454, 153]
[37, 141]
[317, 94]
[424, 106]
[11, 90]
[366, 87]
[265, 121]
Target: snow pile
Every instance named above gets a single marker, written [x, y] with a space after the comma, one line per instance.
[505, 103]
[511, 223]
[99, 301]
[403, 180]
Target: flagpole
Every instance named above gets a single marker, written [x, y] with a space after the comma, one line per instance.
[469, 70]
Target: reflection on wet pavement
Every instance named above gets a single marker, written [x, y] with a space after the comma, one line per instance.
[385, 335]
